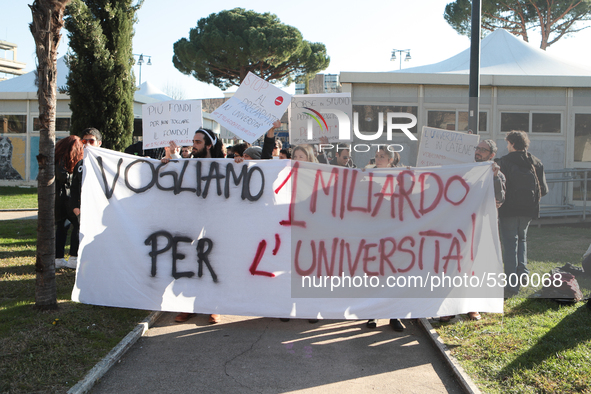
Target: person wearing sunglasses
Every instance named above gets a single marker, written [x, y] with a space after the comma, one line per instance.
[92, 137]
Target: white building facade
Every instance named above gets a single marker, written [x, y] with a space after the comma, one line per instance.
[521, 88]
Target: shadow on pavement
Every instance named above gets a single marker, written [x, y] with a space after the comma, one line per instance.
[265, 355]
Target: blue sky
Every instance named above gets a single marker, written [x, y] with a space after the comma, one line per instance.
[358, 37]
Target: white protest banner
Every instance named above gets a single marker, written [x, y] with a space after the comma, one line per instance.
[252, 110]
[440, 147]
[315, 114]
[175, 120]
[400, 243]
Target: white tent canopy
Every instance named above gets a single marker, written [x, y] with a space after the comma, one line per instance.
[26, 82]
[149, 90]
[501, 53]
[147, 93]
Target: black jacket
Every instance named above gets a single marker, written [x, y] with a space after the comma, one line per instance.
[522, 159]
[63, 185]
[76, 186]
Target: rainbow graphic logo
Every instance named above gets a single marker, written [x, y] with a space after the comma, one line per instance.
[318, 115]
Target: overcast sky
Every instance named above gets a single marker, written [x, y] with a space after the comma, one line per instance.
[358, 37]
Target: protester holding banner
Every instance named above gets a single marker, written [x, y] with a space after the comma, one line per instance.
[285, 154]
[68, 152]
[343, 157]
[186, 152]
[252, 153]
[486, 151]
[385, 158]
[239, 149]
[270, 147]
[206, 145]
[229, 152]
[92, 137]
[304, 153]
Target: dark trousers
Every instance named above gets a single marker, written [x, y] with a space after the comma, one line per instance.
[61, 235]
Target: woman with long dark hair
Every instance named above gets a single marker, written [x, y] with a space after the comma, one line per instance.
[68, 152]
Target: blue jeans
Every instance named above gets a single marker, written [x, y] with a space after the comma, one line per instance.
[513, 232]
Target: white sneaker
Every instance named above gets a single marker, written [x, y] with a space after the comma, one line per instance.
[61, 263]
[72, 262]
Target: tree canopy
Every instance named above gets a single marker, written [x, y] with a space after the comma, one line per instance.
[554, 19]
[224, 47]
[100, 83]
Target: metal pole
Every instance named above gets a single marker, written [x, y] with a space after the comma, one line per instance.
[474, 89]
[140, 74]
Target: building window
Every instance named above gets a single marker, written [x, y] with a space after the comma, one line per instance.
[463, 121]
[13, 123]
[582, 151]
[454, 120]
[369, 116]
[61, 124]
[531, 122]
[442, 119]
[514, 121]
[545, 123]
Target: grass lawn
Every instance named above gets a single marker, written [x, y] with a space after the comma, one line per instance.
[48, 352]
[536, 346]
[18, 197]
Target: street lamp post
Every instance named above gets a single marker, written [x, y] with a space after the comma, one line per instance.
[400, 52]
[140, 61]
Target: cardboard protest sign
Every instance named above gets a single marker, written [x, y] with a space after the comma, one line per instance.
[315, 240]
[441, 147]
[312, 116]
[252, 110]
[175, 120]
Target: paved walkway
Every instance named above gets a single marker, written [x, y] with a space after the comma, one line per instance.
[265, 355]
[20, 214]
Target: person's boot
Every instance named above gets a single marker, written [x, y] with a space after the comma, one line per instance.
[396, 324]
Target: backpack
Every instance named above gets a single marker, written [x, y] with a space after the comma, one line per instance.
[523, 187]
[63, 182]
[563, 288]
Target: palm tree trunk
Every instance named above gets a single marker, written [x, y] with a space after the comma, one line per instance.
[47, 23]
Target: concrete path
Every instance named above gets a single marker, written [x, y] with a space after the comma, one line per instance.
[265, 355]
[18, 214]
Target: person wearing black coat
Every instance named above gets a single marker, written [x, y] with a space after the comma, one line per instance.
[526, 184]
[68, 152]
